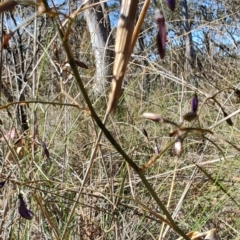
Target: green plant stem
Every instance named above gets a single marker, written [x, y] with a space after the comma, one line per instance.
[116, 145]
[109, 137]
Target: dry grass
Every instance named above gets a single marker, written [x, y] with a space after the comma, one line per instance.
[107, 198]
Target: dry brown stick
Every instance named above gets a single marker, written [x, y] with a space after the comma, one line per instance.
[139, 22]
[123, 50]
[124, 46]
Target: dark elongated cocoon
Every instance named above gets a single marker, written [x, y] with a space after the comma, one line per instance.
[45, 149]
[171, 4]
[145, 133]
[2, 184]
[237, 92]
[194, 103]
[23, 211]
[161, 36]
[229, 121]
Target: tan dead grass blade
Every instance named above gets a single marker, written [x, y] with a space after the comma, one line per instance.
[208, 235]
[123, 50]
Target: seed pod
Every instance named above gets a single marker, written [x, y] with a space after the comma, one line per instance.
[190, 116]
[55, 51]
[178, 146]
[229, 121]
[237, 92]
[161, 36]
[6, 38]
[156, 150]
[194, 103]
[81, 64]
[153, 116]
[145, 133]
[45, 149]
[23, 211]
[2, 184]
[171, 4]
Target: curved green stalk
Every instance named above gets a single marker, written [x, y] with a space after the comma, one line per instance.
[109, 137]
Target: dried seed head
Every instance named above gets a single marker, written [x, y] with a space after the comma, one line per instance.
[161, 36]
[23, 211]
[194, 103]
[171, 4]
[153, 116]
